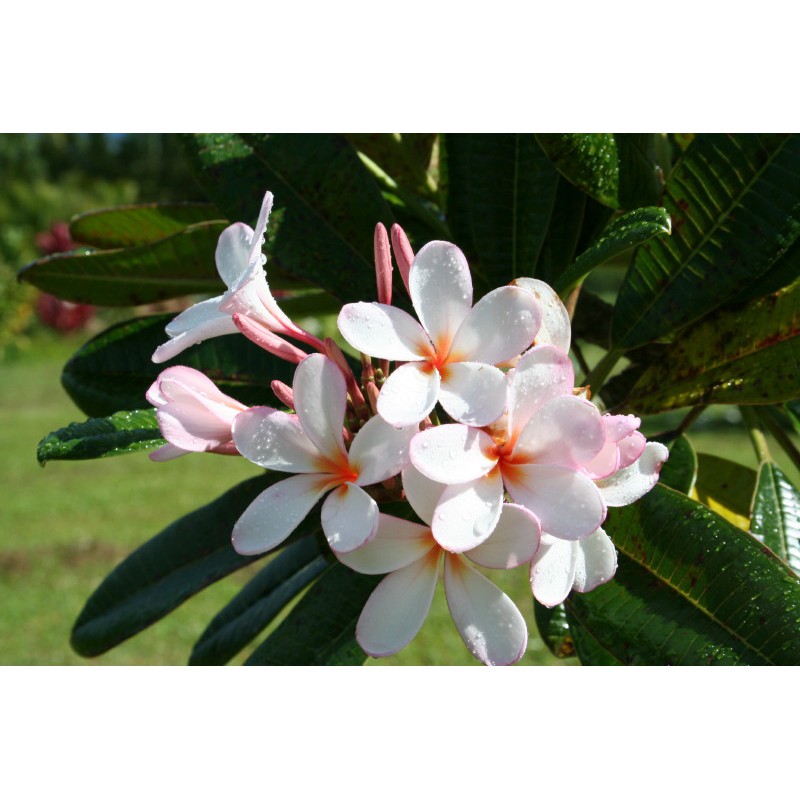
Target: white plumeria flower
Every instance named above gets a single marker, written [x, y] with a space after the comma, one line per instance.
[536, 453]
[450, 356]
[556, 328]
[487, 620]
[624, 444]
[311, 443]
[240, 264]
[193, 415]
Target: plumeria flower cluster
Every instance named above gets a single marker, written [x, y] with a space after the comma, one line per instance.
[470, 415]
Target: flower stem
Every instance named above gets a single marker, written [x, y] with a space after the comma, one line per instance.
[596, 378]
[756, 434]
[689, 420]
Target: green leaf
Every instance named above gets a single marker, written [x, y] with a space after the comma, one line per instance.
[622, 234]
[640, 173]
[114, 370]
[320, 629]
[776, 514]
[128, 226]
[501, 193]
[406, 157]
[589, 651]
[793, 411]
[726, 488]
[554, 629]
[680, 471]
[690, 589]
[747, 356]
[260, 602]
[563, 232]
[588, 160]
[172, 267]
[592, 321]
[121, 433]
[188, 555]
[735, 212]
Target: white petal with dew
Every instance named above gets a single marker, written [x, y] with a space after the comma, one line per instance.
[596, 561]
[473, 393]
[275, 440]
[555, 328]
[553, 570]
[349, 518]
[167, 452]
[191, 426]
[380, 450]
[233, 252]
[453, 453]
[384, 331]
[421, 492]
[514, 540]
[207, 323]
[628, 485]
[409, 395]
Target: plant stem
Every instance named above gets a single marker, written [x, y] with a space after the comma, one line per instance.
[756, 434]
[572, 301]
[596, 378]
[787, 445]
[584, 365]
[689, 420]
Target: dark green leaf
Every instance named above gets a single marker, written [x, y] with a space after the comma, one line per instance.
[640, 173]
[589, 160]
[680, 471]
[128, 226]
[554, 629]
[590, 652]
[320, 629]
[747, 356]
[123, 432]
[260, 602]
[592, 321]
[188, 555]
[113, 371]
[690, 589]
[735, 212]
[563, 232]
[177, 265]
[793, 411]
[501, 193]
[776, 514]
[622, 234]
[406, 157]
[726, 487]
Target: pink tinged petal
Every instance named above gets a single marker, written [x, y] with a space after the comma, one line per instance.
[233, 253]
[553, 570]
[422, 493]
[192, 427]
[275, 440]
[409, 395]
[186, 379]
[628, 485]
[514, 540]
[276, 512]
[398, 607]
[198, 323]
[543, 373]
[248, 300]
[397, 544]
[473, 393]
[320, 398]
[403, 253]
[167, 452]
[618, 426]
[267, 340]
[567, 503]
[380, 451]
[383, 331]
[489, 623]
[566, 431]
[630, 448]
[441, 291]
[605, 462]
[595, 563]
[467, 513]
[500, 326]
[453, 453]
[555, 328]
[349, 518]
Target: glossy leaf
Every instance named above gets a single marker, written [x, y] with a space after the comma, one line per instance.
[406, 157]
[554, 629]
[590, 651]
[121, 433]
[640, 170]
[563, 232]
[128, 226]
[690, 589]
[747, 356]
[260, 602]
[726, 487]
[680, 470]
[188, 555]
[114, 370]
[776, 514]
[622, 234]
[793, 411]
[178, 265]
[592, 321]
[501, 191]
[735, 212]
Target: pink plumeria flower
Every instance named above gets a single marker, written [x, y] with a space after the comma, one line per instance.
[556, 328]
[536, 452]
[240, 264]
[487, 620]
[450, 354]
[194, 416]
[624, 444]
[311, 443]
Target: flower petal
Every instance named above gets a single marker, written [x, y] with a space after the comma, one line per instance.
[441, 291]
[555, 328]
[566, 431]
[500, 326]
[380, 451]
[453, 453]
[467, 513]
[567, 503]
[349, 518]
[397, 544]
[630, 448]
[409, 395]
[627, 485]
[489, 623]
[553, 570]
[384, 332]
[192, 326]
[320, 399]
[174, 383]
[596, 561]
[167, 452]
[233, 252]
[275, 440]
[514, 540]
[276, 512]
[261, 226]
[421, 492]
[473, 393]
[605, 462]
[398, 607]
[193, 427]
